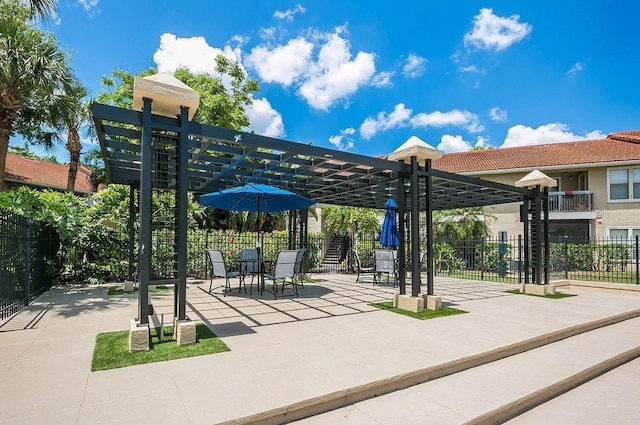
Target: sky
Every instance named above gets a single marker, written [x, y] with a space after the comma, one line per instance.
[364, 76]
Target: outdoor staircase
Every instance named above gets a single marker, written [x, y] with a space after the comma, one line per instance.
[331, 259]
[491, 387]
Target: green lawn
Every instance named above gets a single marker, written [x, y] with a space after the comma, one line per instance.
[555, 296]
[423, 315]
[117, 290]
[112, 348]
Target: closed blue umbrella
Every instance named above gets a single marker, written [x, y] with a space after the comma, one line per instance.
[389, 234]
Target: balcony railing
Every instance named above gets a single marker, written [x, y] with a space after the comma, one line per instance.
[571, 201]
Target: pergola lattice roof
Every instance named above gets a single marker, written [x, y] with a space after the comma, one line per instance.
[220, 158]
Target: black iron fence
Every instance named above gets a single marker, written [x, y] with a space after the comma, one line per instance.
[28, 260]
[599, 260]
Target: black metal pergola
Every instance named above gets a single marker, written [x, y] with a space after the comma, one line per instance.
[147, 151]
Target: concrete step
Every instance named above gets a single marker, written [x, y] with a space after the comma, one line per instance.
[488, 387]
[498, 391]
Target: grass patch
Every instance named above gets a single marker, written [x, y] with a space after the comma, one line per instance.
[555, 296]
[118, 290]
[422, 315]
[112, 348]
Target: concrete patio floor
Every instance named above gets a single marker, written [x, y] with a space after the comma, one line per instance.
[283, 351]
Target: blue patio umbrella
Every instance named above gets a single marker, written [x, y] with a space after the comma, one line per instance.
[255, 197]
[389, 234]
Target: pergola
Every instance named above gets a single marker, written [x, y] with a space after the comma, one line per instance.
[148, 151]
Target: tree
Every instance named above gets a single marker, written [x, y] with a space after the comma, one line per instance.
[355, 221]
[42, 8]
[71, 114]
[460, 225]
[33, 75]
[219, 105]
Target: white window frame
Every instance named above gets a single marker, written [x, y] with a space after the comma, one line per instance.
[629, 182]
[630, 237]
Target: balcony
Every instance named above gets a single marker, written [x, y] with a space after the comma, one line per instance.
[576, 204]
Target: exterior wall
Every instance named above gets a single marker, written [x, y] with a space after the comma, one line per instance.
[609, 214]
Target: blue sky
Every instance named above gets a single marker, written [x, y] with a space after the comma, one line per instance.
[365, 76]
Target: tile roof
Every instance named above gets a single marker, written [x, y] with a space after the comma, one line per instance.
[622, 146]
[35, 172]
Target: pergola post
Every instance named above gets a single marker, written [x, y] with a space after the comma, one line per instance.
[415, 229]
[416, 150]
[182, 190]
[429, 229]
[524, 215]
[401, 232]
[144, 237]
[540, 248]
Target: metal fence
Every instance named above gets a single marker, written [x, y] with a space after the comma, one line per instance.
[28, 259]
[599, 260]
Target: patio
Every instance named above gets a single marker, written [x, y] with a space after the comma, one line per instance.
[284, 353]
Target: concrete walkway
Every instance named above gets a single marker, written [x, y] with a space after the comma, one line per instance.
[283, 351]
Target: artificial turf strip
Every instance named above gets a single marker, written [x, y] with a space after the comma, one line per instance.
[422, 315]
[112, 348]
[117, 290]
[555, 296]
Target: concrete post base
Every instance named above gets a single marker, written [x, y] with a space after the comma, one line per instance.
[409, 303]
[138, 336]
[534, 289]
[433, 302]
[128, 286]
[185, 332]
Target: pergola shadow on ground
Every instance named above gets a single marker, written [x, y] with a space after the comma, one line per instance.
[328, 296]
[153, 152]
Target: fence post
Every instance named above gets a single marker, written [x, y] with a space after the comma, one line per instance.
[482, 258]
[637, 260]
[27, 263]
[566, 258]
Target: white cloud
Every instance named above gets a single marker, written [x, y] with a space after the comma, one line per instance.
[414, 66]
[449, 144]
[463, 119]
[90, 6]
[472, 69]
[344, 140]
[382, 79]
[333, 75]
[577, 67]
[192, 53]
[402, 117]
[264, 119]
[496, 32]
[498, 115]
[521, 135]
[289, 13]
[397, 119]
[282, 64]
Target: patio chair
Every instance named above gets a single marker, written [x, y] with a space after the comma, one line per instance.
[385, 263]
[362, 270]
[219, 270]
[284, 270]
[298, 266]
[249, 265]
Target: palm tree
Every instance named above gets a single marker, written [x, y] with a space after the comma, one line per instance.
[42, 8]
[33, 75]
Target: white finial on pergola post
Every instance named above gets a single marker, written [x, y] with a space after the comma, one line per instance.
[168, 94]
[536, 178]
[414, 147]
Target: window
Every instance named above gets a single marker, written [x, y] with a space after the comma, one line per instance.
[625, 236]
[624, 184]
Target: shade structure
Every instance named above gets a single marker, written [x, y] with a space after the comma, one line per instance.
[389, 234]
[256, 197]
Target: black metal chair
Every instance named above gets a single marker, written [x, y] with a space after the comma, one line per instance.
[284, 270]
[362, 270]
[249, 265]
[219, 270]
[385, 263]
[298, 266]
